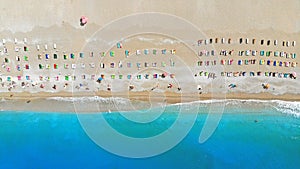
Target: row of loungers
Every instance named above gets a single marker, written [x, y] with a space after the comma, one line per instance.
[248, 53]
[259, 73]
[245, 41]
[91, 77]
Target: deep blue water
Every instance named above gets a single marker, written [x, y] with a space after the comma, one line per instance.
[244, 138]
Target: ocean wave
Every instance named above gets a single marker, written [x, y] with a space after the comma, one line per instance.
[118, 100]
[287, 107]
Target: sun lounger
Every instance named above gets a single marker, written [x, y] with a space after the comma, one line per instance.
[240, 62]
[154, 51]
[81, 54]
[112, 53]
[146, 51]
[73, 66]
[261, 42]
[262, 53]
[119, 45]
[112, 65]
[126, 53]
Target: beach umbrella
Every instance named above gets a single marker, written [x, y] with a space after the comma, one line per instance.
[83, 20]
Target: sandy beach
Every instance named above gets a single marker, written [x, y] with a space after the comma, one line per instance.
[146, 51]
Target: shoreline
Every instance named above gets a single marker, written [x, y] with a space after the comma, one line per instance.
[107, 101]
[171, 97]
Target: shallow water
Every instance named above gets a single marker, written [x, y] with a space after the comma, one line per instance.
[249, 135]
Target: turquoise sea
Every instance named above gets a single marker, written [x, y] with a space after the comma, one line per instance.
[250, 134]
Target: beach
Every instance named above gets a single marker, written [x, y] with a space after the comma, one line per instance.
[171, 53]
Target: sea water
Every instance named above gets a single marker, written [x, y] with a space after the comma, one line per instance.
[252, 134]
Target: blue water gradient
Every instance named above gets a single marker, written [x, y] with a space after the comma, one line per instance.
[245, 138]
